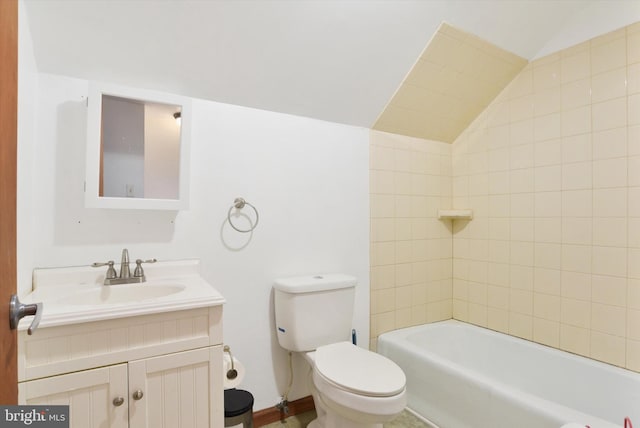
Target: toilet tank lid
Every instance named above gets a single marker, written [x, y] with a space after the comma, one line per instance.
[310, 283]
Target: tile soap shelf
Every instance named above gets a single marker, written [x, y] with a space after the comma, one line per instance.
[460, 214]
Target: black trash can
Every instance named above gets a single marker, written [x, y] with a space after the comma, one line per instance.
[238, 408]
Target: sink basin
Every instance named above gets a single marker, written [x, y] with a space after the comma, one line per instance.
[128, 293]
[75, 294]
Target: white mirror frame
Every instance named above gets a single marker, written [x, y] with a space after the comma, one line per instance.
[92, 166]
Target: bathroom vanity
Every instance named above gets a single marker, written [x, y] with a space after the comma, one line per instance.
[135, 355]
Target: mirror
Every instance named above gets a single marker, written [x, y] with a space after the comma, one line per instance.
[137, 149]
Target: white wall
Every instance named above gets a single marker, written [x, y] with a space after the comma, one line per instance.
[598, 18]
[307, 178]
[27, 93]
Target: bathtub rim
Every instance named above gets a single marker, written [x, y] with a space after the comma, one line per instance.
[550, 408]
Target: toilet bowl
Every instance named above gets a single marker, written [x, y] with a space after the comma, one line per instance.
[353, 387]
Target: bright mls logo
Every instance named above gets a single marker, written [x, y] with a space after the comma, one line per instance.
[34, 416]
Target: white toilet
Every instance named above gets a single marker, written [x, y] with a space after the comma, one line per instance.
[351, 386]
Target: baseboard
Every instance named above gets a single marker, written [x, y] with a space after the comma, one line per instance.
[274, 414]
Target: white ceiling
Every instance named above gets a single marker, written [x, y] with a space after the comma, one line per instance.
[334, 60]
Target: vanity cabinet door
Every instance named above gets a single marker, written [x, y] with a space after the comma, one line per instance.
[90, 395]
[177, 390]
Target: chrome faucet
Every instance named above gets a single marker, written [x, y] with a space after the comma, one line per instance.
[124, 264]
[112, 278]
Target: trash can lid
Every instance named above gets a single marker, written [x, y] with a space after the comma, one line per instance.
[237, 402]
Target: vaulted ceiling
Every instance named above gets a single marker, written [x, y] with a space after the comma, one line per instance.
[340, 61]
[453, 81]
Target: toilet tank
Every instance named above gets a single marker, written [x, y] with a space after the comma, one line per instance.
[312, 311]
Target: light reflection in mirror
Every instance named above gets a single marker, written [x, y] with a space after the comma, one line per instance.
[139, 149]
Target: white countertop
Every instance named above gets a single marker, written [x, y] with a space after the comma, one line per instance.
[63, 292]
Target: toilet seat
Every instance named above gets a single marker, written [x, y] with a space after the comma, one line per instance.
[359, 371]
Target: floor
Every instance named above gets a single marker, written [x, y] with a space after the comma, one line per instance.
[405, 420]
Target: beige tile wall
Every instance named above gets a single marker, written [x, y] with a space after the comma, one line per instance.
[410, 248]
[552, 171]
[453, 81]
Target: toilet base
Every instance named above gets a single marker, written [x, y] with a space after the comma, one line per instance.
[331, 416]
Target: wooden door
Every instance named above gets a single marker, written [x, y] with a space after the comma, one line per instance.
[177, 390]
[8, 141]
[90, 395]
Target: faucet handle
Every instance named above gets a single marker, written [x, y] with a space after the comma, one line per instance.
[139, 272]
[111, 272]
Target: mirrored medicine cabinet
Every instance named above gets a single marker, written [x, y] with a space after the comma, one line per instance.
[137, 149]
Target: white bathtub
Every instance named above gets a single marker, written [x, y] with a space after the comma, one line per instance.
[463, 376]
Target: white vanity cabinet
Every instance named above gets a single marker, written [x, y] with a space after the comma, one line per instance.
[178, 389]
[144, 371]
[89, 393]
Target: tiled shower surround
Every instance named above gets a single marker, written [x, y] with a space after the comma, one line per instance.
[551, 170]
[410, 248]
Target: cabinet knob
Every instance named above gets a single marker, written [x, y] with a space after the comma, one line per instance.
[138, 395]
[118, 401]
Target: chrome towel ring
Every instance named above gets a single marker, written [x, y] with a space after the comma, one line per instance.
[239, 203]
